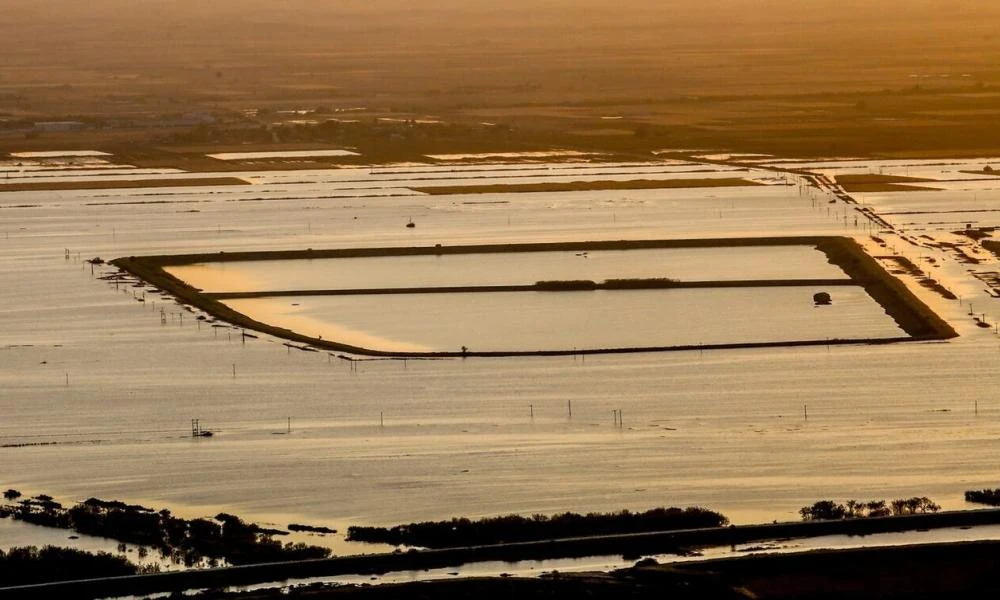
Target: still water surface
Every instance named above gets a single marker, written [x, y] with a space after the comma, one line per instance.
[96, 395]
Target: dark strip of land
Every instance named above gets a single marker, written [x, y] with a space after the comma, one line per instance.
[577, 186]
[46, 186]
[991, 245]
[940, 571]
[165, 260]
[872, 183]
[912, 315]
[571, 286]
[627, 544]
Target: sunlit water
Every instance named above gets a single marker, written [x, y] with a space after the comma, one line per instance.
[518, 321]
[685, 264]
[96, 395]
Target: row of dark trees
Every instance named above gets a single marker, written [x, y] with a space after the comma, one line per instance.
[515, 528]
[990, 497]
[828, 510]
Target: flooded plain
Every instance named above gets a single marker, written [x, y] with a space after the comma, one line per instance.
[527, 321]
[683, 264]
[97, 388]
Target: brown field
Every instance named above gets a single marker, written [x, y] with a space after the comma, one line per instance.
[116, 185]
[575, 186]
[882, 183]
[891, 78]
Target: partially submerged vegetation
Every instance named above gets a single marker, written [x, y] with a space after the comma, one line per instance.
[907, 266]
[989, 497]
[515, 528]
[828, 510]
[224, 538]
[25, 565]
[311, 528]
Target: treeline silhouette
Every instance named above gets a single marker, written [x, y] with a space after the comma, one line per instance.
[990, 497]
[828, 510]
[25, 565]
[224, 538]
[514, 528]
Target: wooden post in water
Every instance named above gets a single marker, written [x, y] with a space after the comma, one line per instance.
[381, 419]
[805, 412]
[234, 370]
[531, 410]
[569, 408]
[289, 424]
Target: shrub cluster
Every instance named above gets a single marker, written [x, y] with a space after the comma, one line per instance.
[28, 565]
[515, 528]
[828, 510]
[990, 497]
[226, 537]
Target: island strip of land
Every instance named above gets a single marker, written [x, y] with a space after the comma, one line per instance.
[51, 186]
[576, 186]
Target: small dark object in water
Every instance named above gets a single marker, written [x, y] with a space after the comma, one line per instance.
[411, 224]
[821, 298]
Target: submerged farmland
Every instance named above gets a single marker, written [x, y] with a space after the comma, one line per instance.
[103, 373]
